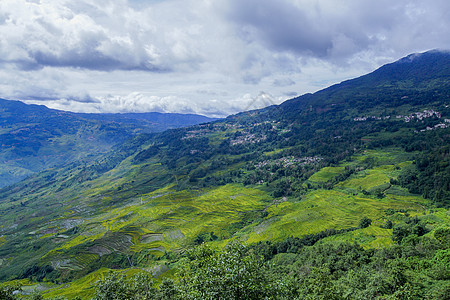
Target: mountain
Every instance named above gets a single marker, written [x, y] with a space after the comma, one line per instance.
[152, 121]
[418, 75]
[34, 138]
[362, 162]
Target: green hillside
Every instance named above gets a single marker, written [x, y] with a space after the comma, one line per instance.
[34, 138]
[361, 168]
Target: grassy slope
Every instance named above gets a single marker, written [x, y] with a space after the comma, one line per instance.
[34, 138]
[168, 219]
[143, 222]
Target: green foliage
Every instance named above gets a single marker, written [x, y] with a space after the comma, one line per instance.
[365, 222]
[9, 292]
[440, 265]
[228, 274]
[388, 224]
[116, 286]
[443, 236]
[167, 290]
[36, 295]
[429, 176]
[205, 237]
[291, 244]
[38, 273]
[411, 226]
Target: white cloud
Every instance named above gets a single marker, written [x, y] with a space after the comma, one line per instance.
[209, 57]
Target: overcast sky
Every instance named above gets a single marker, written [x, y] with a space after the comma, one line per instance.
[212, 57]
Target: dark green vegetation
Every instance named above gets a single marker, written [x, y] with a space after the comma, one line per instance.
[34, 138]
[339, 194]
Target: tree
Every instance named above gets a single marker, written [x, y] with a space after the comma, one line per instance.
[365, 222]
[115, 286]
[167, 290]
[7, 292]
[443, 236]
[440, 265]
[229, 274]
[388, 224]
[400, 231]
[318, 285]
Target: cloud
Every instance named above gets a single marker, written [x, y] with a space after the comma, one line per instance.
[337, 30]
[280, 25]
[282, 82]
[207, 57]
[137, 102]
[165, 36]
[86, 34]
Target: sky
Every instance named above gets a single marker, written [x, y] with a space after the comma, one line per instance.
[209, 57]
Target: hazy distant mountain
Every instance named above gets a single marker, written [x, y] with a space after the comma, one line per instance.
[33, 137]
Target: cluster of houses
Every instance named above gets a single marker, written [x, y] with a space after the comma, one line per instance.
[289, 161]
[203, 130]
[360, 119]
[440, 125]
[419, 116]
[428, 113]
[248, 138]
[196, 133]
[244, 138]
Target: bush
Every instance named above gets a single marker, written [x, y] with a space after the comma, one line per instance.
[7, 292]
[115, 286]
[229, 274]
[365, 222]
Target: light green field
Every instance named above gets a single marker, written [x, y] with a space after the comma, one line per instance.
[164, 220]
[276, 151]
[324, 209]
[167, 219]
[387, 156]
[83, 287]
[370, 237]
[326, 174]
[369, 179]
[146, 225]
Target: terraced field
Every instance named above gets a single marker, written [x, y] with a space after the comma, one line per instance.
[168, 219]
[161, 221]
[326, 174]
[324, 209]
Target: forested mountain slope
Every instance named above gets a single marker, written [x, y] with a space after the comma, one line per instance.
[34, 137]
[365, 161]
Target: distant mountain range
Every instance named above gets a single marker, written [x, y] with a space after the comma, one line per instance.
[34, 137]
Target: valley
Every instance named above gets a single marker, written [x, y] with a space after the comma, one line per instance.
[34, 138]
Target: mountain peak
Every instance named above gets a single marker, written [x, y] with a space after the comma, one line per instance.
[421, 55]
[416, 67]
[416, 72]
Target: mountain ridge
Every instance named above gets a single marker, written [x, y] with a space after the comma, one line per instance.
[404, 68]
[34, 137]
